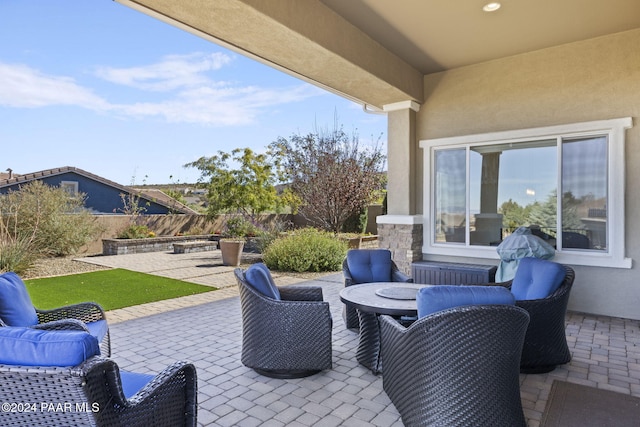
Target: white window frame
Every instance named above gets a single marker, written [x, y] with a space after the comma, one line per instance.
[70, 186]
[614, 129]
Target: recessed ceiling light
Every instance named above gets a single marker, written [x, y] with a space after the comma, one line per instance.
[491, 7]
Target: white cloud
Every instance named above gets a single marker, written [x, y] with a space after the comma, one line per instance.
[220, 106]
[197, 97]
[190, 95]
[24, 87]
[173, 72]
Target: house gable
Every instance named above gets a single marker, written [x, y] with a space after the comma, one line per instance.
[102, 195]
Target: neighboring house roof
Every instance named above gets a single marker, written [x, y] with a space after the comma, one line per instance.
[154, 196]
[160, 196]
[5, 175]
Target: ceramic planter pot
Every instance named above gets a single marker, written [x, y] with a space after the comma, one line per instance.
[231, 252]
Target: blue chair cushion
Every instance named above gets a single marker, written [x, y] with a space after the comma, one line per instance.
[16, 308]
[259, 276]
[536, 278]
[35, 347]
[98, 329]
[441, 297]
[133, 382]
[369, 265]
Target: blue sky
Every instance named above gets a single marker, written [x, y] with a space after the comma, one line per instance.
[99, 86]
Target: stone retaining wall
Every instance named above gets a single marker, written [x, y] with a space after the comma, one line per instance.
[151, 244]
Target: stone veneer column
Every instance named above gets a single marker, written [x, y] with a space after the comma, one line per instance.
[401, 229]
[402, 235]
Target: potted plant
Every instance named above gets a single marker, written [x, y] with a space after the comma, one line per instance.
[232, 240]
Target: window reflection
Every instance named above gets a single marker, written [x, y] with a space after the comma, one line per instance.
[584, 193]
[516, 184]
[450, 195]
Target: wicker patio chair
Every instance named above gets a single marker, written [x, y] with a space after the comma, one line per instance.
[456, 367]
[284, 336]
[16, 309]
[91, 392]
[366, 266]
[545, 345]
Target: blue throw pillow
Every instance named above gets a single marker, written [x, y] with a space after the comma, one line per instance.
[536, 278]
[369, 265]
[36, 347]
[16, 308]
[259, 276]
[436, 298]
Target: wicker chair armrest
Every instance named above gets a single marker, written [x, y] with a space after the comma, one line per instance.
[399, 276]
[171, 396]
[503, 284]
[85, 312]
[300, 293]
[299, 312]
[161, 390]
[392, 325]
[348, 278]
[546, 310]
[62, 325]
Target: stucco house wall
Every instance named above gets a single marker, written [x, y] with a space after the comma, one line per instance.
[583, 81]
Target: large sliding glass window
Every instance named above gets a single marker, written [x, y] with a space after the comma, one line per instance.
[560, 186]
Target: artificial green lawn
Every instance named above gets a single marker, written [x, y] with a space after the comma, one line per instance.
[111, 289]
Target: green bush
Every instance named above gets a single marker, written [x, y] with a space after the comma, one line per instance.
[53, 222]
[264, 239]
[16, 255]
[269, 233]
[134, 231]
[306, 249]
[357, 222]
[239, 226]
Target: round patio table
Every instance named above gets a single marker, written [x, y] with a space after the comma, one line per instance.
[396, 299]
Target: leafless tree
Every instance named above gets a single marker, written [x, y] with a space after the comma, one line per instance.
[330, 174]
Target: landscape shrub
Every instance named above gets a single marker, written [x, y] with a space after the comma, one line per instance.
[305, 250]
[269, 233]
[357, 222]
[239, 226]
[16, 255]
[43, 221]
[135, 231]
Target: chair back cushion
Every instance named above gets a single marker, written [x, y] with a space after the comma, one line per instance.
[98, 329]
[259, 276]
[441, 297]
[536, 278]
[132, 382]
[36, 347]
[369, 265]
[16, 308]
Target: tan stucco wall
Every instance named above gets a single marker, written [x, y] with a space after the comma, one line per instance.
[590, 80]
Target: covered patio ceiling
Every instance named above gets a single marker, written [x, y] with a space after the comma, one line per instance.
[376, 52]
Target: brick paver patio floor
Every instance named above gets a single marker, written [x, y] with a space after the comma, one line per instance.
[207, 331]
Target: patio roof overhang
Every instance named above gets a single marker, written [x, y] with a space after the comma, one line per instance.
[302, 38]
[376, 52]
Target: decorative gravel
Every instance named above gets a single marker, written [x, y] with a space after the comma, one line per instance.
[47, 267]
